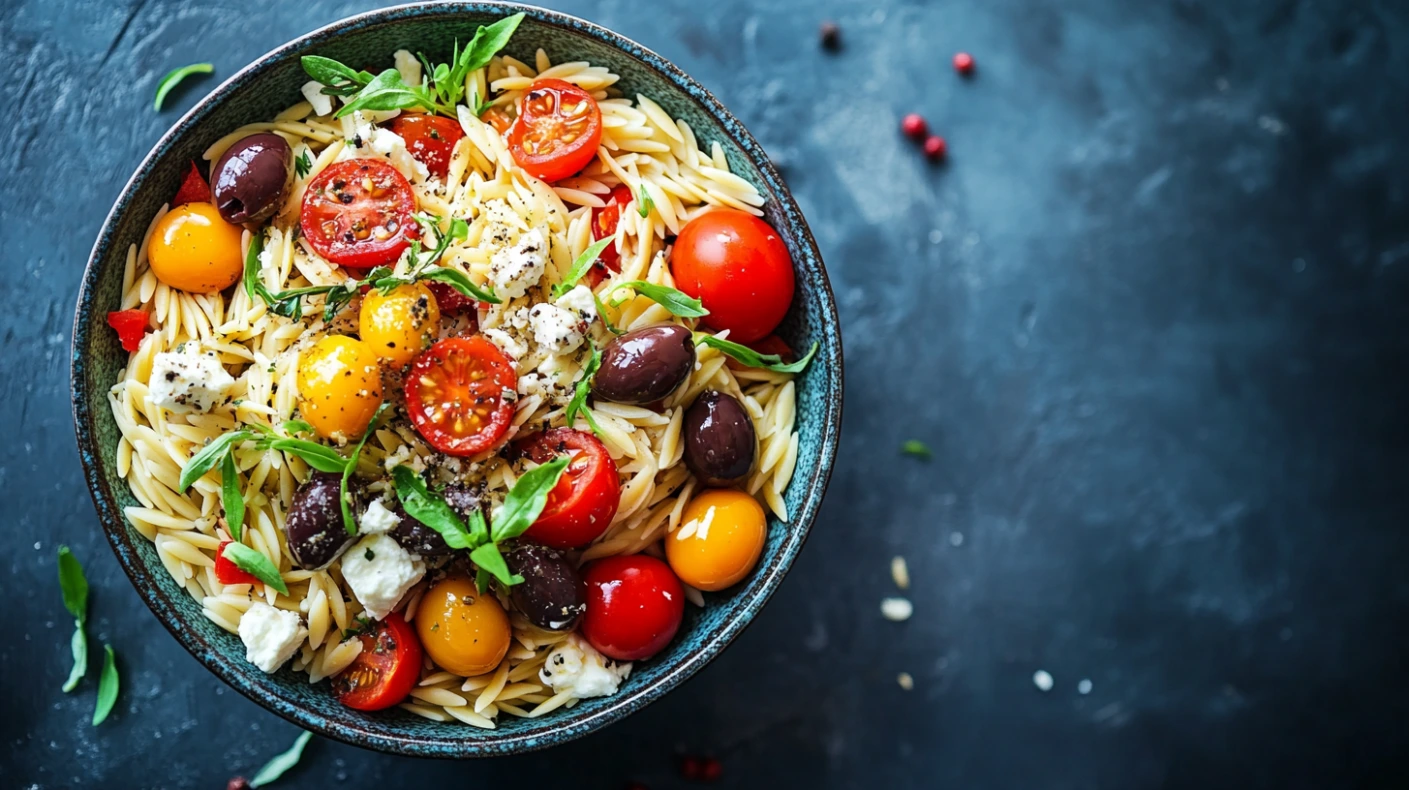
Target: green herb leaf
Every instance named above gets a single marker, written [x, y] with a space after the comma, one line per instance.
[583, 389]
[73, 584]
[580, 266]
[296, 426]
[488, 40]
[916, 448]
[676, 301]
[252, 562]
[318, 456]
[457, 280]
[348, 522]
[79, 645]
[332, 73]
[253, 285]
[479, 529]
[482, 582]
[487, 558]
[754, 359]
[387, 92]
[231, 498]
[429, 509]
[174, 77]
[107, 687]
[526, 500]
[276, 767]
[644, 204]
[303, 164]
[208, 457]
[602, 314]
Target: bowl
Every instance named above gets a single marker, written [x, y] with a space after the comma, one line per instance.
[262, 89]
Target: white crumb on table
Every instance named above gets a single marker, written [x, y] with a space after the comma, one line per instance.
[956, 538]
[906, 682]
[1042, 680]
[897, 610]
[1084, 687]
[900, 572]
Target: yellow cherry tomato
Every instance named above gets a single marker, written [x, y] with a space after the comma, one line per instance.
[401, 324]
[339, 387]
[462, 631]
[192, 249]
[723, 552]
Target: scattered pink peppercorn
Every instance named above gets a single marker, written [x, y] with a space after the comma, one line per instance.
[711, 770]
[691, 767]
[913, 126]
[830, 35]
[964, 63]
[935, 147]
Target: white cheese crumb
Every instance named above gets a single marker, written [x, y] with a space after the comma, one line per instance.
[556, 330]
[322, 104]
[1042, 680]
[1083, 687]
[188, 382]
[906, 682]
[580, 301]
[897, 609]
[271, 636]
[576, 667]
[900, 572]
[380, 572]
[507, 343]
[409, 67]
[513, 270]
[377, 519]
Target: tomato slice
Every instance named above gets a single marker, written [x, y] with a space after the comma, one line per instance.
[604, 222]
[430, 139]
[193, 190]
[558, 130]
[581, 505]
[386, 669]
[357, 213]
[227, 572]
[455, 395]
[131, 326]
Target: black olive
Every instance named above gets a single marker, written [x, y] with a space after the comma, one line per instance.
[314, 526]
[552, 595]
[719, 439]
[418, 538]
[249, 181]
[645, 365]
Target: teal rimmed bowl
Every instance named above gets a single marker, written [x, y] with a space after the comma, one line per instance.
[269, 85]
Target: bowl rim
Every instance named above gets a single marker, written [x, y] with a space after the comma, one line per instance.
[553, 730]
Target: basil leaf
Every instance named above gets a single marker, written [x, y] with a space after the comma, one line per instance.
[320, 457]
[330, 72]
[583, 389]
[303, 164]
[350, 523]
[257, 565]
[79, 644]
[526, 501]
[644, 204]
[253, 285]
[208, 457]
[486, 44]
[482, 580]
[676, 301]
[754, 359]
[107, 686]
[457, 280]
[73, 584]
[231, 498]
[296, 426]
[580, 266]
[487, 558]
[174, 77]
[430, 509]
[602, 314]
[386, 92]
[479, 530]
[916, 448]
[281, 763]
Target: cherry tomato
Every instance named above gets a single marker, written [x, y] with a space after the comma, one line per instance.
[193, 249]
[737, 266]
[400, 324]
[430, 138]
[582, 504]
[500, 120]
[227, 572]
[557, 131]
[193, 190]
[339, 387]
[450, 300]
[357, 213]
[717, 556]
[463, 631]
[604, 222]
[634, 606]
[386, 669]
[455, 395]
[131, 327]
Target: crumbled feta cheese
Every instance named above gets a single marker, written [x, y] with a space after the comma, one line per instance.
[377, 519]
[577, 667]
[556, 330]
[897, 609]
[370, 140]
[380, 572]
[322, 103]
[409, 67]
[1042, 680]
[507, 343]
[271, 636]
[515, 269]
[581, 301]
[188, 382]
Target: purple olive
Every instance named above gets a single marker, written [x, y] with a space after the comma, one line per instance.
[645, 365]
[719, 439]
[314, 526]
[552, 595]
[418, 538]
[249, 181]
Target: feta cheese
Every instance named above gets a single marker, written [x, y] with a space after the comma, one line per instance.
[370, 140]
[897, 610]
[581, 301]
[271, 636]
[409, 67]
[513, 270]
[380, 572]
[188, 381]
[377, 519]
[576, 666]
[322, 104]
[507, 343]
[556, 330]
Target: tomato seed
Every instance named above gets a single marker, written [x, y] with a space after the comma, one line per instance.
[935, 147]
[914, 126]
[964, 63]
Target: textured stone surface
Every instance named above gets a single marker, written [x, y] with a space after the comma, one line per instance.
[1150, 318]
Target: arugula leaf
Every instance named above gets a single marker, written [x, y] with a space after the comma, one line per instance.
[107, 686]
[231, 498]
[676, 301]
[488, 559]
[303, 164]
[582, 390]
[644, 204]
[208, 457]
[602, 314]
[479, 530]
[754, 359]
[526, 500]
[485, 45]
[252, 562]
[482, 580]
[281, 763]
[296, 426]
[916, 448]
[337, 77]
[74, 586]
[580, 266]
[459, 231]
[430, 509]
[79, 645]
[350, 523]
[318, 456]
[253, 285]
[457, 280]
[174, 77]
[386, 91]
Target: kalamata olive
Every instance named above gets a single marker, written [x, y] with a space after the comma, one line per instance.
[645, 365]
[719, 439]
[418, 538]
[552, 595]
[314, 526]
[249, 181]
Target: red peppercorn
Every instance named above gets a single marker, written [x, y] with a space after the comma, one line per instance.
[238, 783]
[635, 786]
[830, 35]
[712, 770]
[935, 147]
[913, 126]
[691, 767]
[964, 63]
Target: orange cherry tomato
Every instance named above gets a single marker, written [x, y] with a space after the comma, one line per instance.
[194, 249]
[455, 395]
[582, 504]
[385, 671]
[558, 130]
[725, 544]
[463, 631]
[357, 213]
[430, 138]
[739, 268]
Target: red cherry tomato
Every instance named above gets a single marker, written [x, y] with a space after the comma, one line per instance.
[634, 606]
[582, 504]
[227, 572]
[557, 131]
[455, 395]
[357, 213]
[450, 300]
[131, 326]
[430, 139]
[604, 222]
[386, 669]
[193, 190]
[737, 266]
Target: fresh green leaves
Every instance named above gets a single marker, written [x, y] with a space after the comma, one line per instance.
[916, 448]
[257, 565]
[78, 644]
[582, 390]
[580, 266]
[349, 523]
[281, 763]
[644, 204]
[448, 79]
[319, 456]
[526, 500]
[674, 300]
[74, 586]
[208, 457]
[303, 164]
[386, 91]
[231, 497]
[488, 560]
[174, 78]
[107, 686]
[337, 79]
[752, 358]
[430, 509]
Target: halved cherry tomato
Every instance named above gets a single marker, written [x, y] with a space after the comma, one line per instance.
[581, 505]
[739, 268]
[193, 190]
[500, 120]
[385, 670]
[634, 606]
[227, 572]
[557, 131]
[430, 139]
[455, 395]
[131, 326]
[450, 300]
[357, 213]
[604, 222]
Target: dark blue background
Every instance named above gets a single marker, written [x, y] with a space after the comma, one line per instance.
[1150, 316]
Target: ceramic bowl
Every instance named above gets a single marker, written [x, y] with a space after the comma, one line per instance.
[272, 83]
